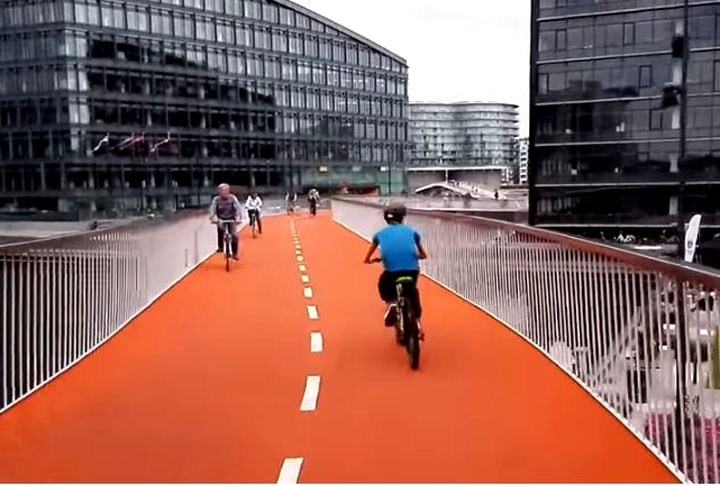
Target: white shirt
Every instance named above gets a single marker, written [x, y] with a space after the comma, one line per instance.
[253, 203]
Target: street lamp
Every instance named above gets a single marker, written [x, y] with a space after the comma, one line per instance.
[671, 94]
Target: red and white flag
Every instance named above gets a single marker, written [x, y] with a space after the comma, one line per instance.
[162, 142]
[103, 141]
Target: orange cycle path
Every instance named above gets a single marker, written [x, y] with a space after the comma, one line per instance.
[484, 407]
[207, 384]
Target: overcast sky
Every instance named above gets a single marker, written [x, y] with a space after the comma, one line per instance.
[457, 50]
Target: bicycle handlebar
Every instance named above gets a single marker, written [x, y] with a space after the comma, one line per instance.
[223, 221]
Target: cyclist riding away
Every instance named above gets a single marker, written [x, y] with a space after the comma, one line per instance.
[226, 207]
[253, 205]
[401, 250]
[314, 200]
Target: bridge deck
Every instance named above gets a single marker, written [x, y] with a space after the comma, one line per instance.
[207, 384]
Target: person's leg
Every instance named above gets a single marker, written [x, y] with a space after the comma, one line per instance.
[234, 241]
[388, 293]
[416, 295]
[386, 287]
[220, 238]
[259, 222]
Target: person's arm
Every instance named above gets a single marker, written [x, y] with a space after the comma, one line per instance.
[238, 209]
[371, 250]
[213, 208]
[422, 254]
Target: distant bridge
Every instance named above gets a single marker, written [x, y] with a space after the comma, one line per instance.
[461, 188]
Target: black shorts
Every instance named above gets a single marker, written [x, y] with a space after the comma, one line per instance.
[387, 288]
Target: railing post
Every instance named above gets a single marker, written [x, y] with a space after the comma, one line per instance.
[681, 409]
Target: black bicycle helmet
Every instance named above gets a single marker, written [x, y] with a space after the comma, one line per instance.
[394, 213]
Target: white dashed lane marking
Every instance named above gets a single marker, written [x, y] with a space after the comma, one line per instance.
[310, 397]
[290, 470]
[316, 342]
[313, 312]
[307, 292]
[305, 279]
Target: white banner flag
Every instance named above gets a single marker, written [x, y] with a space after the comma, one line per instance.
[691, 236]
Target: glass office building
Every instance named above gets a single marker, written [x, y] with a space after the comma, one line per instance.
[115, 106]
[468, 134]
[604, 152]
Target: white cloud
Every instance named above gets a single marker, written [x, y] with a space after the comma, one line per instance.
[457, 50]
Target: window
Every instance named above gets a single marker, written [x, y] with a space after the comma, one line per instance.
[644, 32]
[280, 41]
[716, 84]
[242, 35]
[702, 27]
[547, 41]
[318, 74]
[616, 35]
[333, 76]
[628, 33]
[656, 120]
[701, 118]
[166, 22]
[107, 16]
[81, 13]
[575, 38]
[556, 82]
[645, 76]
[288, 70]
[561, 40]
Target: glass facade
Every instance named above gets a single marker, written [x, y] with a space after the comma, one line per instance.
[603, 151]
[109, 105]
[466, 134]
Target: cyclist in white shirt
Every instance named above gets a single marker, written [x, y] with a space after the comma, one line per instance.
[253, 205]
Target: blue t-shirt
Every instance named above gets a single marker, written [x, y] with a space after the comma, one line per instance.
[398, 245]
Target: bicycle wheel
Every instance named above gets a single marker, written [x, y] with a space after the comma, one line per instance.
[228, 251]
[412, 338]
[399, 326]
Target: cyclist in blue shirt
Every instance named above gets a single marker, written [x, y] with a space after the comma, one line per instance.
[401, 250]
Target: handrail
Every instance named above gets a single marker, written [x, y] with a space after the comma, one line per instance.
[134, 223]
[620, 322]
[63, 297]
[677, 268]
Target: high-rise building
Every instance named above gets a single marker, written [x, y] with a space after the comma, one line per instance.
[604, 153]
[520, 172]
[467, 134]
[115, 106]
[522, 155]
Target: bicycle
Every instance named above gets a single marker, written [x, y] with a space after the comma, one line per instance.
[227, 241]
[313, 208]
[254, 214]
[407, 332]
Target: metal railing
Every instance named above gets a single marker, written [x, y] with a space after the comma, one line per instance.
[61, 298]
[621, 323]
